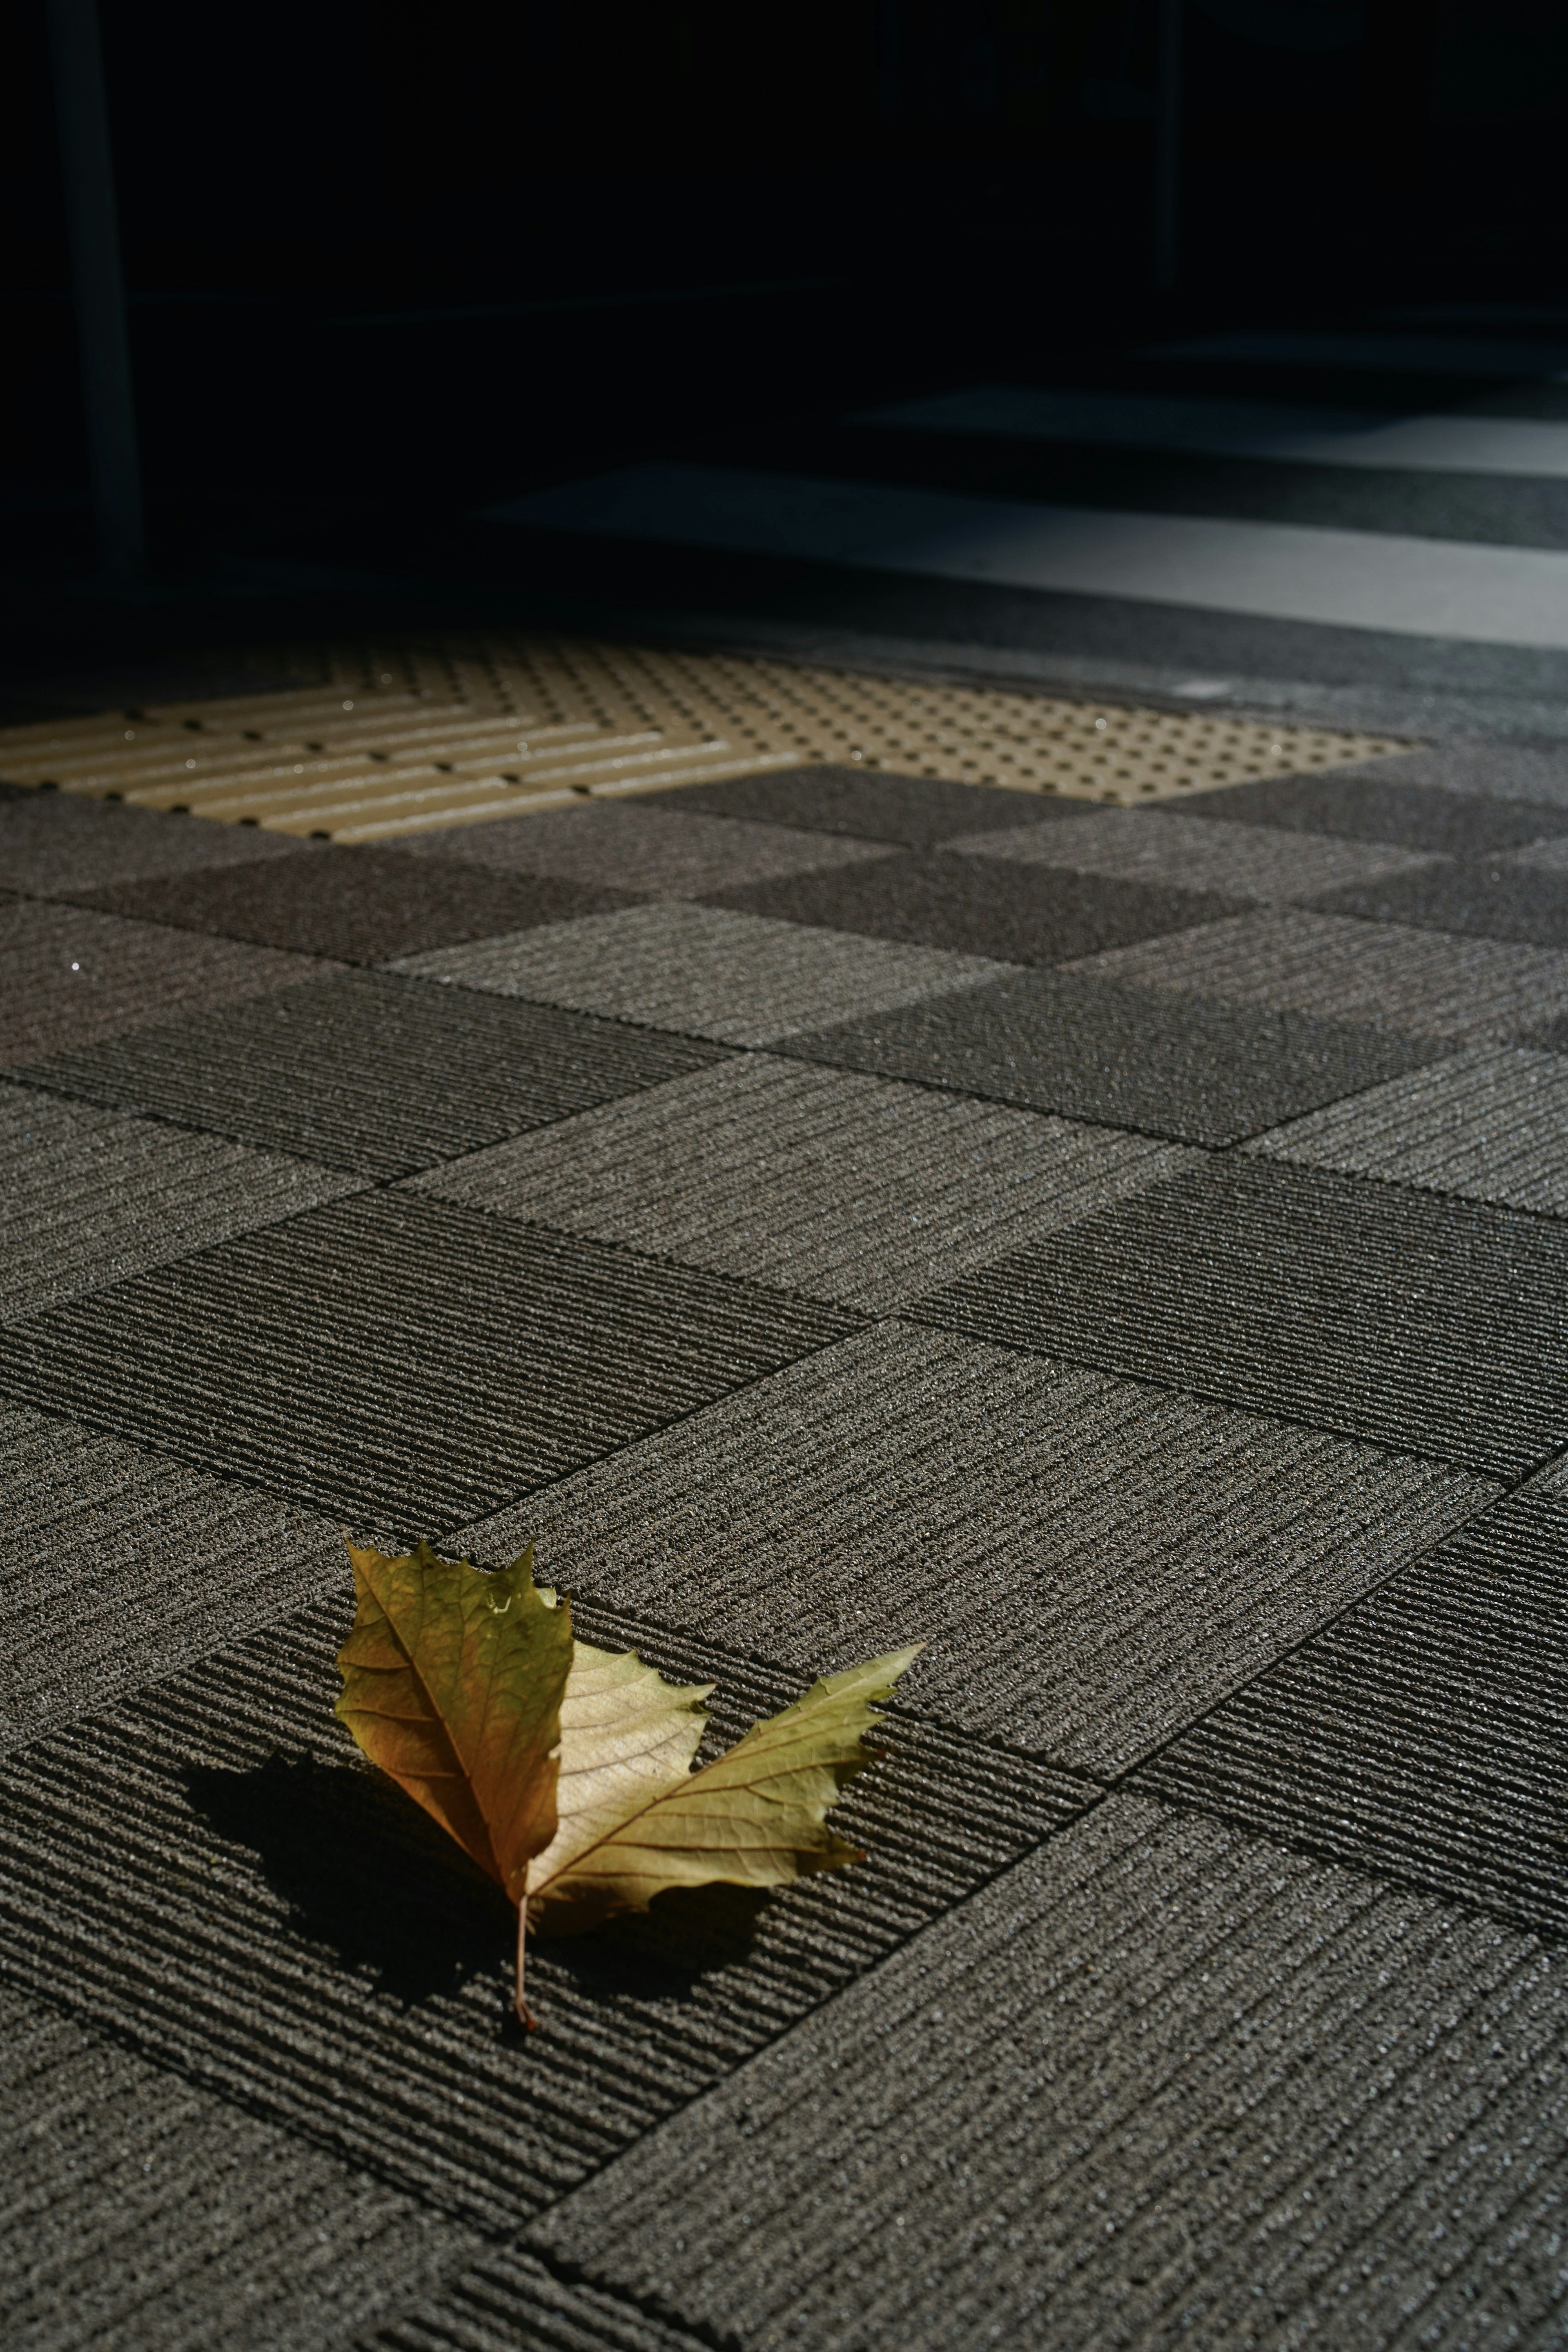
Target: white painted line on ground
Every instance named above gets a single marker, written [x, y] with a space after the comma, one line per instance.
[1241, 428]
[1347, 579]
[1388, 354]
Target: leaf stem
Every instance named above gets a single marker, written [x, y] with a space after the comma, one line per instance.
[525, 2016]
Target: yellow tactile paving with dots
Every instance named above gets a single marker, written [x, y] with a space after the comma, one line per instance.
[400, 739]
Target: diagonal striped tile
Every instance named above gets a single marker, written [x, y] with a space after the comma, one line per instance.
[405, 1362]
[208, 1872]
[373, 1073]
[1163, 2082]
[121, 1565]
[842, 1187]
[1431, 1326]
[1422, 1733]
[1091, 1563]
[712, 974]
[87, 1198]
[1490, 1125]
[143, 2210]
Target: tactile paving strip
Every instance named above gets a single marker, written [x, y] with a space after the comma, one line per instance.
[405, 737]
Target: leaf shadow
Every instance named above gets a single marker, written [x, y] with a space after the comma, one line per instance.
[367, 1874]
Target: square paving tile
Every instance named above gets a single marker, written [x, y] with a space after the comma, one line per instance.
[370, 1072]
[1433, 1326]
[67, 976]
[1391, 976]
[916, 811]
[1493, 898]
[653, 849]
[1240, 861]
[151, 2212]
[88, 1197]
[1012, 912]
[1165, 2081]
[1372, 803]
[708, 973]
[1490, 1125]
[56, 843]
[1198, 1073]
[226, 1878]
[121, 1565]
[362, 906]
[1091, 1562]
[1424, 1733]
[405, 1362]
[842, 1187]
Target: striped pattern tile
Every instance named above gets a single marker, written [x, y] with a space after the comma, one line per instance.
[1169, 1064]
[1490, 1125]
[68, 977]
[708, 973]
[87, 1198]
[1423, 1732]
[1163, 2082]
[1430, 1326]
[404, 1363]
[1423, 983]
[506, 2298]
[1091, 1563]
[841, 1187]
[208, 1871]
[372, 1073]
[656, 848]
[121, 1565]
[1240, 861]
[143, 2210]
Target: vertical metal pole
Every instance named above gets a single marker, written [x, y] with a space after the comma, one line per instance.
[104, 346]
[1168, 151]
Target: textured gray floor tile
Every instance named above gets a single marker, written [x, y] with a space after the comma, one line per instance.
[1497, 770]
[1490, 1125]
[1091, 1563]
[843, 1186]
[67, 976]
[1549, 855]
[208, 1871]
[1369, 804]
[1240, 861]
[142, 2211]
[363, 905]
[712, 974]
[121, 1565]
[1492, 898]
[371, 1072]
[917, 811]
[88, 1197]
[1433, 1326]
[1424, 1733]
[1140, 1057]
[1163, 2084]
[1014, 913]
[508, 2299]
[54, 842]
[1423, 983]
[404, 1361]
[656, 848]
